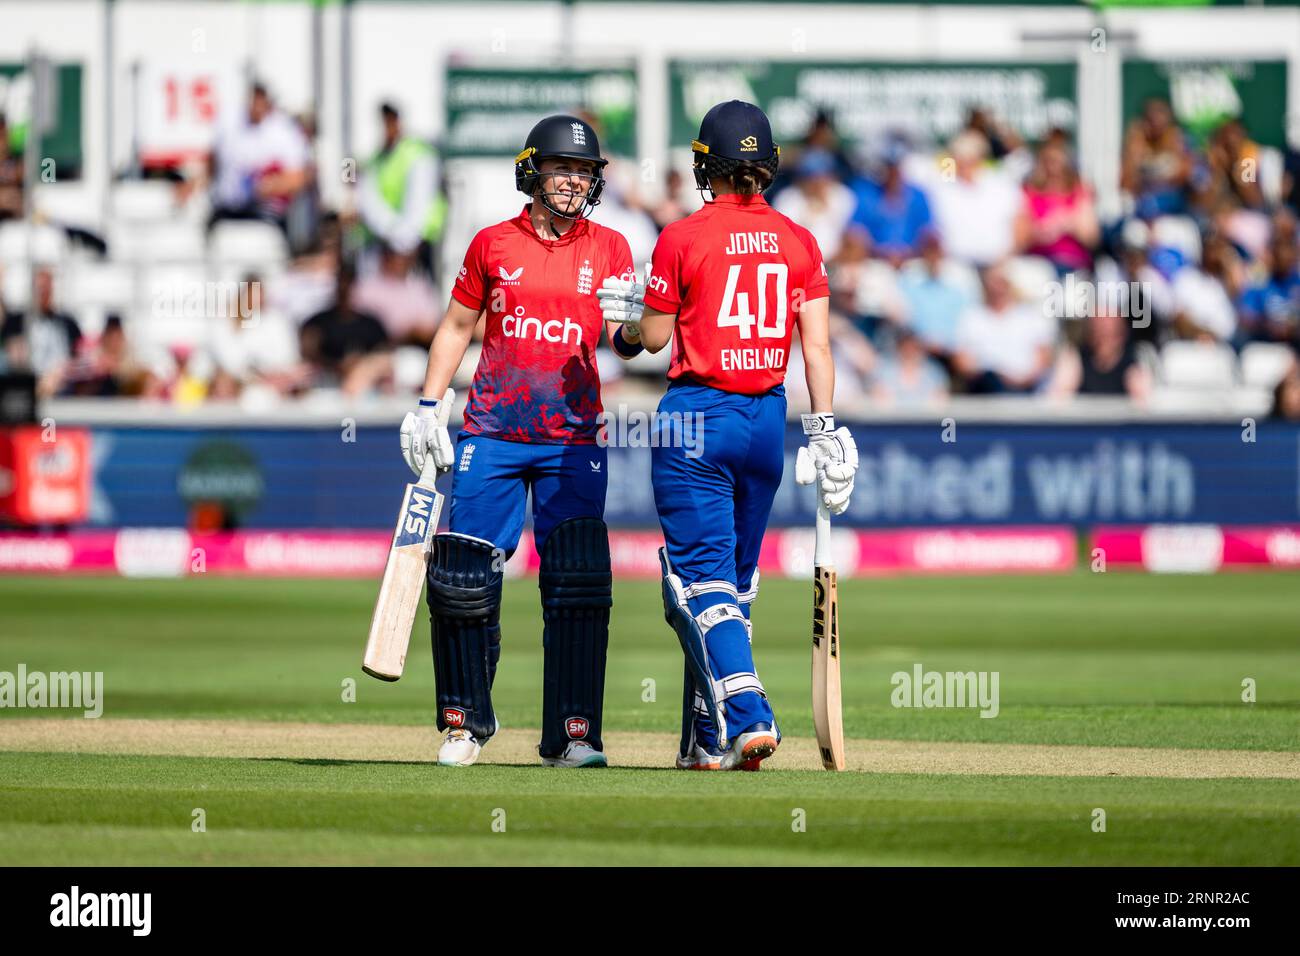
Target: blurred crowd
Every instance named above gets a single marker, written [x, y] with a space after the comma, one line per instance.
[981, 265]
[985, 267]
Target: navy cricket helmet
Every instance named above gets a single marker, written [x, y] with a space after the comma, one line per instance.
[732, 134]
[560, 137]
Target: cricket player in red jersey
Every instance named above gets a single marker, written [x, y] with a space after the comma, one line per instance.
[530, 425]
[727, 286]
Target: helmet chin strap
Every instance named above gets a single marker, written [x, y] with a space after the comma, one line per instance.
[544, 198]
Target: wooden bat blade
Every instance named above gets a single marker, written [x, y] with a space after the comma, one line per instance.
[828, 714]
[403, 584]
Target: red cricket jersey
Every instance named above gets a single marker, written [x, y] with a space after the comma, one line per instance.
[736, 273]
[536, 379]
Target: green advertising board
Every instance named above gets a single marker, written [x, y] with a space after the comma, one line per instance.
[1204, 93]
[928, 101]
[63, 143]
[490, 111]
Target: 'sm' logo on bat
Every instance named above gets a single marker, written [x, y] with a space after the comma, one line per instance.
[415, 517]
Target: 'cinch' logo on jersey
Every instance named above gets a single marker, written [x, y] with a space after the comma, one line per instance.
[519, 326]
[657, 283]
[509, 278]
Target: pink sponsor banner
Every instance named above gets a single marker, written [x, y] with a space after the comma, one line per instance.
[968, 550]
[1198, 548]
[27, 553]
[175, 552]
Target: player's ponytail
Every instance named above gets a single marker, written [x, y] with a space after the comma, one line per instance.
[751, 180]
[745, 177]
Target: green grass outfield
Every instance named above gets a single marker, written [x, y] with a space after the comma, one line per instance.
[1105, 660]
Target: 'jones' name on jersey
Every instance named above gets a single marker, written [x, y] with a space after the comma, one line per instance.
[744, 243]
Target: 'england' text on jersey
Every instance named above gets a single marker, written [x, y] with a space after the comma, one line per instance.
[738, 360]
[743, 243]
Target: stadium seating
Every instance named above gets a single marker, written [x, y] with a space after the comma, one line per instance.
[1198, 365]
[143, 201]
[1263, 364]
[247, 244]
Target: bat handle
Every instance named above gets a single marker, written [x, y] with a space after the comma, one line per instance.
[822, 544]
[429, 473]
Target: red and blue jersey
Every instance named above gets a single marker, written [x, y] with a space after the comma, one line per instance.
[736, 273]
[536, 379]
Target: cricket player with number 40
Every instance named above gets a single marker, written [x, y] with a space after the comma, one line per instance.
[530, 425]
[727, 286]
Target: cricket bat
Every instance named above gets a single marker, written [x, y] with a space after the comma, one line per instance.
[403, 584]
[828, 714]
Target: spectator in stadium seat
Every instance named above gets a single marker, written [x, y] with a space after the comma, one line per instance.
[1057, 220]
[818, 201]
[974, 206]
[1003, 140]
[253, 346]
[863, 288]
[822, 137]
[907, 377]
[671, 207]
[1291, 180]
[1145, 295]
[402, 298]
[1270, 307]
[622, 210]
[399, 198]
[43, 339]
[11, 174]
[309, 284]
[111, 367]
[1157, 162]
[855, 359]
[1229, 169]
[1106, 362]
[1286, 396]
[259, 164]
[893, 212]
[1205, 295]
[346, 348]
[934, 300]
[1003, 346]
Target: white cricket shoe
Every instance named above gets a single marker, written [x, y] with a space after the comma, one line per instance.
[579, 753]
[750, 749]
[460, 748]
[700, 758]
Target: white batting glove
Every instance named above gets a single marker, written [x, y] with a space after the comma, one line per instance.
[830, 458]
[425, 432]
[623, 301]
